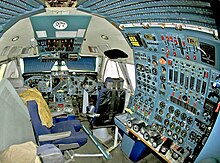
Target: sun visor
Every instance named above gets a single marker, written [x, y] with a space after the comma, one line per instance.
[115, 54]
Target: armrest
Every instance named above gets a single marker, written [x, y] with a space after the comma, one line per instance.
[55, 136]
[93, 115]
[59, 113]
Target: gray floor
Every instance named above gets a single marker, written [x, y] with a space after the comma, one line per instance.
[117, 155]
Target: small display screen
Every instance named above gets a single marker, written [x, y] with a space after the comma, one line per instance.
[207, 53]
[134, 40]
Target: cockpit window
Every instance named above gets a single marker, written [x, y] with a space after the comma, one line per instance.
[11, 70]
[113, 70]
[2, 70]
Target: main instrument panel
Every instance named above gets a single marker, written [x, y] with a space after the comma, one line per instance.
[177, 88]
[62, 87]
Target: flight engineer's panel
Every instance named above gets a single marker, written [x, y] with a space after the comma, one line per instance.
[177, 88]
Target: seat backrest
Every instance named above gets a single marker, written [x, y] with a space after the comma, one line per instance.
[35, 119]
[110, 102]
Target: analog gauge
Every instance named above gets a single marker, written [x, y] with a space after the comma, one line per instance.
[162, 104]
[182, 123]
[207, 53]
[172, 126]
[189, 120]
[154, 63]
[169, 132]
[180, 140]
[166, 122]
[168, 115]
[174, 119]
[164, 70]
[192, 135]
[175, 136]
[183, 133]
[187, 127]
[154, 71]
[171, 109]
[183, 116]
[161, 112]
[177, 113]
[178, 129]
[163, 78]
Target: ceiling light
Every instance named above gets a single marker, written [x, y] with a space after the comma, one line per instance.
[15, 38]
[104, 37]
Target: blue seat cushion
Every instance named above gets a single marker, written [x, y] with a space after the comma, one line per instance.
[66, 126]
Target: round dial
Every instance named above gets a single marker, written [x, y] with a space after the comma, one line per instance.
[177, 113]
[171, 109]
[175, 136]
[168, 115]
[183, 133]
[169, 132]
[183, 116]
[172, 126]
[180, 140]
[154, 71]
[189, 120]
[166, 122]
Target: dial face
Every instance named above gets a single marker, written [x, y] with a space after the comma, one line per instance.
[207, 53]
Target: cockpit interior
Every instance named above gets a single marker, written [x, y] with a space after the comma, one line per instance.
[109, 81]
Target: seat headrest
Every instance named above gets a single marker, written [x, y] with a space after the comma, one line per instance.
[114, 83]
[16, 82]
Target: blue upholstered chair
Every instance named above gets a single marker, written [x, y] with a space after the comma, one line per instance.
[65, 135]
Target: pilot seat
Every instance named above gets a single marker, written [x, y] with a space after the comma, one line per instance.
[110, 102]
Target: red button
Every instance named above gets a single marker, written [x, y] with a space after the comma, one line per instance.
[162, 37]
[194, 57]
[174, 53]
[176, 42]
[171, 38]
[170, 62]
[187, 57]
[206, 74]
[194, 104]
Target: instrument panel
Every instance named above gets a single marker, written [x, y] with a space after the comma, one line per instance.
[58, 49]
[176, 92]
[62, 87]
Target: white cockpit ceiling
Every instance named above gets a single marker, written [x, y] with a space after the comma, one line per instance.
[98, 26]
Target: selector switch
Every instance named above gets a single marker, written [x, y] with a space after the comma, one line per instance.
[185, 98]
